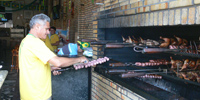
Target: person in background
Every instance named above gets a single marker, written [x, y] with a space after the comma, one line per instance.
[48, 43]
[54, 38]
[35, 58]
[70, 49]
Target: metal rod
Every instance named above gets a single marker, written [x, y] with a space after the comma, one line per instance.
[119, 71]
[60, 70]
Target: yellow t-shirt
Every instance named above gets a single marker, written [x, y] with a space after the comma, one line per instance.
[47, 43]
[35, 72]
[54, 38]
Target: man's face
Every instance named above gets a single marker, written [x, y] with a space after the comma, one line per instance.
[44, 31]
[52, 31]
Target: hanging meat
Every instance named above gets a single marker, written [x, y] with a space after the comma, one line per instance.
[166, 42]
[180, 40]
[192, 64]
[173, 41]
[185, 64]
[197, 66]
[175, 63]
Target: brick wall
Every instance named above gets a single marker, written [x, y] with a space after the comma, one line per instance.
[85, 20]
[136, 13]
[105, 89]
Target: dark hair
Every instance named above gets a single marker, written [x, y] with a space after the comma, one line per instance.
[53, 28]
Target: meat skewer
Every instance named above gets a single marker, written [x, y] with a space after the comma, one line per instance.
[119, 71]
[91, 63]
[135, 74]
[151, 76]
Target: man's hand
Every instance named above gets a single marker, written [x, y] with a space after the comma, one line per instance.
[83, 59]
[54, 70]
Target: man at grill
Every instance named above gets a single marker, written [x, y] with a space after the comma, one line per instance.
[34, 60]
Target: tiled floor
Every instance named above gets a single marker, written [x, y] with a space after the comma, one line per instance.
[10, 87]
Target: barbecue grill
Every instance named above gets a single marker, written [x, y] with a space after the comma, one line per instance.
[168, 85]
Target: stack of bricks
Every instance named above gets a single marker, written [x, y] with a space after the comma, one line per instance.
[105, 89]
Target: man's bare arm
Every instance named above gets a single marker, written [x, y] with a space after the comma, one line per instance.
[65, 62]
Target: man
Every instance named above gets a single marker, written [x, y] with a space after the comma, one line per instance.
[54, 38]
[47, 43]
[34, 60]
